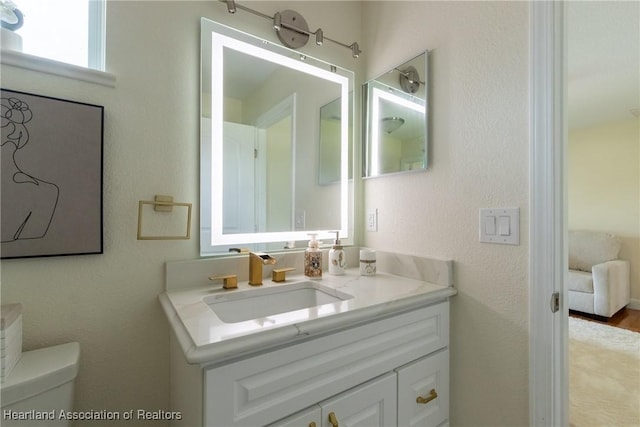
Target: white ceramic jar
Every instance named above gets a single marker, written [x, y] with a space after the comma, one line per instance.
[367, 262]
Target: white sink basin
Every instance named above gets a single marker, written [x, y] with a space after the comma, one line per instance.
[239, 306]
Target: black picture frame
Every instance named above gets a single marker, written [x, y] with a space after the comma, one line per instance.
[51, 198]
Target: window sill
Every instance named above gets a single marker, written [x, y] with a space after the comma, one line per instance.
[57, 68]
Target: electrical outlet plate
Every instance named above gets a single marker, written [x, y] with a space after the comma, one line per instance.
[372, 219]
[300, 220]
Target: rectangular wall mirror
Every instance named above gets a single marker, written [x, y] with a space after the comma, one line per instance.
[396, 110]
[261, 114]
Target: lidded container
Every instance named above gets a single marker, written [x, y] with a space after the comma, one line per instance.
[313, 259]
[367, 262]
[10, 338]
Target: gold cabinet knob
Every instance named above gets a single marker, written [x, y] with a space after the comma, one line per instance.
[424, 400]
[312, 424]
[333, 420]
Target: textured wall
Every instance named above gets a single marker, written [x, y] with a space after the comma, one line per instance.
[604, 186]
[109, 302]
[479, 157]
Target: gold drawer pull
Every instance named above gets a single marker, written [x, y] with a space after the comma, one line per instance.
[333, 420]
[312, 424]
[432, 395]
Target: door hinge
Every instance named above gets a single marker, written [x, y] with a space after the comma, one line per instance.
[255, 153]
[555, 302]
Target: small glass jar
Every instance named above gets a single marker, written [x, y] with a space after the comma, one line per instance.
[367, 262]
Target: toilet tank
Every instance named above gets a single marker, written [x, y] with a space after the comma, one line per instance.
[39, 390]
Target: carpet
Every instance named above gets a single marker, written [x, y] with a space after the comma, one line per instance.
[604, 375]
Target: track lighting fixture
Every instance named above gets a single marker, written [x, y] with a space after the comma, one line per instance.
[231, 6]
[319, 37]
[292, 28]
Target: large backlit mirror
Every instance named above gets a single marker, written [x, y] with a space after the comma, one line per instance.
[396, 120]
[260, 128]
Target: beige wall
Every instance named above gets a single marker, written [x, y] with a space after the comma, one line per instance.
[478, 158]
[109, 303]
[604, 186]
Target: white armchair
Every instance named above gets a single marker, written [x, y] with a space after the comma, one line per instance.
[598, 280]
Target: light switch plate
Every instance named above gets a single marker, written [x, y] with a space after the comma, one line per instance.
[372, 219]
[500, 226]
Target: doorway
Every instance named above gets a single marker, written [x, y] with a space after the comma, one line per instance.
[603, 192]
[549, 389]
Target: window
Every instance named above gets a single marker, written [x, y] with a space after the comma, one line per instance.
[70, 31]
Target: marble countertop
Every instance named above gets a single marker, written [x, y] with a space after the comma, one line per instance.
[205, 338]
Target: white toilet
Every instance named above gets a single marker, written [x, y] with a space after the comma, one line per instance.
[40, 387]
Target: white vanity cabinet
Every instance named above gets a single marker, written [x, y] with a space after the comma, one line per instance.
[372, 404]
[416, 394]
[366, 375]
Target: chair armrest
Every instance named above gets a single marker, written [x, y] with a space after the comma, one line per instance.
[611, 287]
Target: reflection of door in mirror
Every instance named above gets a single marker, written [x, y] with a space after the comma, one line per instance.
[239, 177]
[257, 178]
[272, 169]
[275, 163]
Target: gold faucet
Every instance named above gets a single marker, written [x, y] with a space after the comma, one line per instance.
[256, 261]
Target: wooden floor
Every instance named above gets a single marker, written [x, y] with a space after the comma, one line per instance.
[625, 319]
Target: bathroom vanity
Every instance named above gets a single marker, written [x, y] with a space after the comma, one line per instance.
[352, 350]
[341, 350]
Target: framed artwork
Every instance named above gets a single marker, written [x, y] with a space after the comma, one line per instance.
[51, 176]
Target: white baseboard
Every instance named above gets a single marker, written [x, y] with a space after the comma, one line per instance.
[634, 304]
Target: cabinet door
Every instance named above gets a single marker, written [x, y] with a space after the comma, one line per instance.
[423, 391]
[372, 404]
[310, 417]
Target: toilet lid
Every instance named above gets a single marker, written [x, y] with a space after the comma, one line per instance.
[40, 370]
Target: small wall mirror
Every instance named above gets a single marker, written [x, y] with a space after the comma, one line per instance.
[262, 111]
[396, 106]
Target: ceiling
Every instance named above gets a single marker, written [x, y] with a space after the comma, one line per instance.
[603, 61]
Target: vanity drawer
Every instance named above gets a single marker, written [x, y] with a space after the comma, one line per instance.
[311, 417]
[423, 391]
[265, 388]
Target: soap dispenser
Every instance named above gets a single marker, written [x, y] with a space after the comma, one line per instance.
[337, 258]
[313, 259]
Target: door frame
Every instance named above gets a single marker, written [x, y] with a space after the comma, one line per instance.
[548, 341]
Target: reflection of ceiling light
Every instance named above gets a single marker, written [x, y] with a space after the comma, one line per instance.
[390, 124]
[377, 96]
